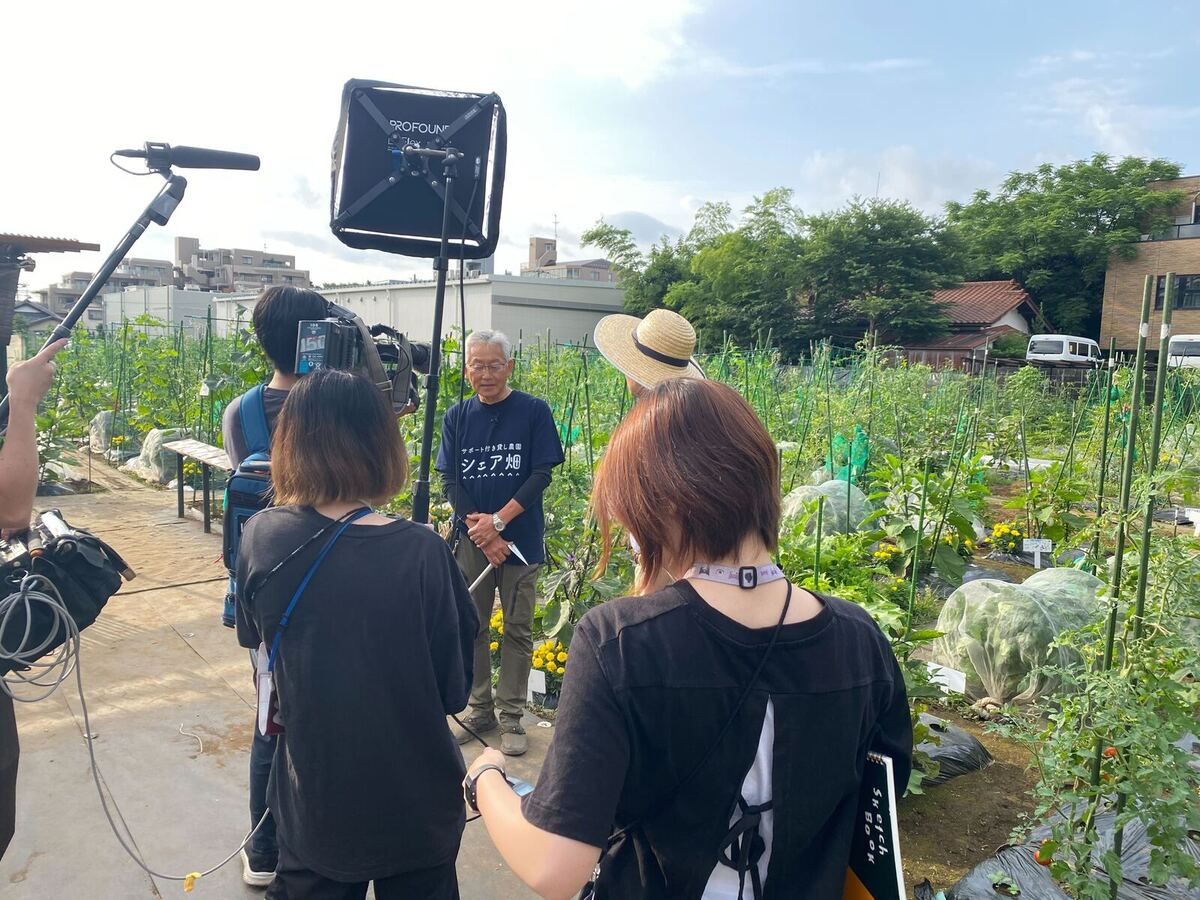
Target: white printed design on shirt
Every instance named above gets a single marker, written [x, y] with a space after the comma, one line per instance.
[492, 461]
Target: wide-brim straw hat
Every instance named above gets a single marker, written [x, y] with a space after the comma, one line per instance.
[650, 350]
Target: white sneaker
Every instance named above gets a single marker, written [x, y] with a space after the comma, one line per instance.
[252, 878]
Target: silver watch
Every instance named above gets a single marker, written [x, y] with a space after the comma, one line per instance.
[498, 523]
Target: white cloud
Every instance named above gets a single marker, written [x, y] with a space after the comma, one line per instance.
[1107, 111]
[1124, 59]
[722, 67]
[827, 180]
[267, 79]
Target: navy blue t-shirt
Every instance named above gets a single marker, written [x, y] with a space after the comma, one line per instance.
[500, 445]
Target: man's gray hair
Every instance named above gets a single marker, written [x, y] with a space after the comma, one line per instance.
[495, 338]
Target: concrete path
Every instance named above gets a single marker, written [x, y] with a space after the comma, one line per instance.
[156, 661]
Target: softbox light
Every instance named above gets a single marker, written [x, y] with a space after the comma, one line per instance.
[389, 196]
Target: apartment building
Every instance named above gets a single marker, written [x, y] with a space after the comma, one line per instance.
[544, 263]
[133, 272]
[1175, 249]
[225, 269]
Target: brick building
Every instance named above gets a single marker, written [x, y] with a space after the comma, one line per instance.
[1177, 249]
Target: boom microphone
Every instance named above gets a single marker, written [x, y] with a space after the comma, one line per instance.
[163, 156]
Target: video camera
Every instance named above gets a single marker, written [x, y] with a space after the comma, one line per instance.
[380, 354]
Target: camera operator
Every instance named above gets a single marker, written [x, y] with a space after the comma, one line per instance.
[28, 383]
[370, 639]
[276, 318]
[495, 458]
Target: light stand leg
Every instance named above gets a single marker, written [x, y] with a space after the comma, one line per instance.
[420, 511]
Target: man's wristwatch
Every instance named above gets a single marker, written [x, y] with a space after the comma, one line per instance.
[469, 785]
[498, 523]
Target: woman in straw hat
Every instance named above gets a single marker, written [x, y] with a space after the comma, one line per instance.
[649, 351]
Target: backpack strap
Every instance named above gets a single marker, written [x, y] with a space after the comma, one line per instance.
[252, 412]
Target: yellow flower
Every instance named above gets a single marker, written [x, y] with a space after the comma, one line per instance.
[562, 657]
[561, 671]
[537, 662]
[494, 646]
[500, 628]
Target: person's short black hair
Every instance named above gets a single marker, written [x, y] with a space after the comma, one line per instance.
[277, 317]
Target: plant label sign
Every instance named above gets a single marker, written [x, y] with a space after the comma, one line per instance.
[1193, 515]
[950, 679]
[537, 683]
[1037, 546]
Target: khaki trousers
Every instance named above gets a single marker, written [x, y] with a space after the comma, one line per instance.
[517, 586]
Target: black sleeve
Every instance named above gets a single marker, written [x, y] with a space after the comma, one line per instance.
[581, 781]
[893, 731]
[451, 626]
[247, 629]
[231, 433]
[459, 498]
[533, 488]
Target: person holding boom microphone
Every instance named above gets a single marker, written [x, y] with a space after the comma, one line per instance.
[28, 383]
[365, 630]
[711, 736]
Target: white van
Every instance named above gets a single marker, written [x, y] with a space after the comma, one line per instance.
[1063, 348]
[1184, 351]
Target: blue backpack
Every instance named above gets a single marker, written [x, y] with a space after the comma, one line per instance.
[248, 489]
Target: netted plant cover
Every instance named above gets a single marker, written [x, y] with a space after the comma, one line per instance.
[155, 463]
[845, 506]
[1000, 635]
[100, 431]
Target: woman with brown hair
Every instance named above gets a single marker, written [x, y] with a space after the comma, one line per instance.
[365, 627]
[711, 734]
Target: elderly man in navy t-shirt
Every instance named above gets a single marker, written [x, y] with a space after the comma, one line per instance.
[497, 451]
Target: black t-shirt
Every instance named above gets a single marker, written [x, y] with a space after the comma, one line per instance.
[501, 444]
[650, 684]
[231, 423]
[367, 778]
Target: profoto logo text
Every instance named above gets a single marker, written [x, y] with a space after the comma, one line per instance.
[417, 127]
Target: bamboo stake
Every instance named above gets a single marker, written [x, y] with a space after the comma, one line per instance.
[1112, 367]
[1123, 503]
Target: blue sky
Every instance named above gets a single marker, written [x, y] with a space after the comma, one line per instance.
[637, 111]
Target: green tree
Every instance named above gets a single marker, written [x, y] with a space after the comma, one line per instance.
[1054, 229]
[873, 266]
[618, 245]
[745, 281]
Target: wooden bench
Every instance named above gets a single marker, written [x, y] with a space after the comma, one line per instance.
[210, 458]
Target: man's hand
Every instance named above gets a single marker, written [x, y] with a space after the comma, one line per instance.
[481, 529]
[497, 551]
[29, 381]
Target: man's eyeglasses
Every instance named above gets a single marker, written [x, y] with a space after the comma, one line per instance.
[480, 368]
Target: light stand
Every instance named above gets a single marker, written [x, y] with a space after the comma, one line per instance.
[158, 212]
[396, 188]
[449, 157]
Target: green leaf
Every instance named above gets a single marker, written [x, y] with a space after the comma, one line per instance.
[949, 564]
[557, 615]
